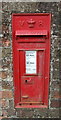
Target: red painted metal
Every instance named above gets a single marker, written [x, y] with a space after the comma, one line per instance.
[31, 37]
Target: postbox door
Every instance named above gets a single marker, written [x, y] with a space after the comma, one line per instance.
[32, 76]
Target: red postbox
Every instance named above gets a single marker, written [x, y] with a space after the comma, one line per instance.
[31, 59]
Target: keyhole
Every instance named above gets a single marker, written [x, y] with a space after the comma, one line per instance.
[26, 81]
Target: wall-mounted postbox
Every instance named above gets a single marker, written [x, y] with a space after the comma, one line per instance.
[31, 57]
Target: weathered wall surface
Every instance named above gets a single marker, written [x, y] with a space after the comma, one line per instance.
[6, 68]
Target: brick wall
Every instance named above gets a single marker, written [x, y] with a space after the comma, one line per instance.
[6, 70]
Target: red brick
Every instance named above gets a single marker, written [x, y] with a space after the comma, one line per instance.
[4, 103]
[56, 84]
[54, 113]
[11, 112]
[6, 43]
[56, 94]
[4, 27]
[0, 103]
[0, 94]
[6, 85]
[0, 43]
[1, 118]
[7, 94]
[55, 103]
[32, 112]
[0, 65]
[3, 75]
[4, 112]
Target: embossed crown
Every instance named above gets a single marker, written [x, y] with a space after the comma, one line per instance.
[31, 23]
